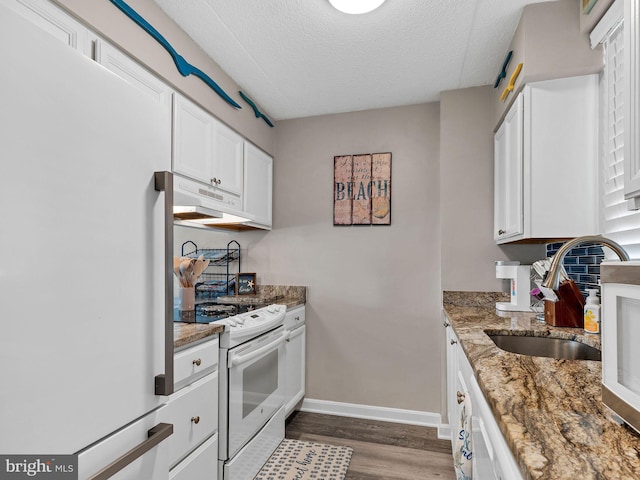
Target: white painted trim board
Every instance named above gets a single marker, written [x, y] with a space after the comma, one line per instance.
[369, 412]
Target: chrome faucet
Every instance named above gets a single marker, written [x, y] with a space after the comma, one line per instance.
[552, 279]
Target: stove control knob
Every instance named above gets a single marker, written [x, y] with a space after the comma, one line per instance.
[240, 320]
[271, 309]
[232, 322]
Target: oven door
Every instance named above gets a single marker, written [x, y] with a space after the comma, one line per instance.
[256, 385]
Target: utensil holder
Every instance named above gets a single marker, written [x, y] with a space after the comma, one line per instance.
[568, 311]
[186, 299]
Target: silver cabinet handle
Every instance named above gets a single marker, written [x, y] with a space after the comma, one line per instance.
[446, 324]
[196, 419]
[215, 181]
[460, 397]
[197, 362]
[501, 232]
[164, 381]
[156, 435]
[453, 342]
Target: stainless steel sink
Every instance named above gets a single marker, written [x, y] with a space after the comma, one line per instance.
[546, 347]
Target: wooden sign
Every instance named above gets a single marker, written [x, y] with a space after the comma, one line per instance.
[245, 283]
[362, 189]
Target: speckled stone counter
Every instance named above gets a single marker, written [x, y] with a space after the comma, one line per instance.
[549, 411]
[186, 333]
[291, 296]
[288, 295]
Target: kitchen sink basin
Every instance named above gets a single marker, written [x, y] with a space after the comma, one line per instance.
[546, 347]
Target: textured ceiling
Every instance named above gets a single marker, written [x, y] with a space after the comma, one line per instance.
[298, 58]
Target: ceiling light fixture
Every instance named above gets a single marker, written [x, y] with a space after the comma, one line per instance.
[356, 6]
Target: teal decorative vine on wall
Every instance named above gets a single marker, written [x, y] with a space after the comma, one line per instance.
[184, 67]
[258, 113]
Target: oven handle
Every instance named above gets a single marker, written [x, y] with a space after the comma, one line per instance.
[236, 360]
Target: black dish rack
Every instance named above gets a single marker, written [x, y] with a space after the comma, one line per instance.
[219, 258]
[217, 280]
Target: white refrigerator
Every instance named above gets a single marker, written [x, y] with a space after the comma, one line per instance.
[85, 243]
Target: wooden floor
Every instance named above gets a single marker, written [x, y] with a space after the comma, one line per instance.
[381, 450]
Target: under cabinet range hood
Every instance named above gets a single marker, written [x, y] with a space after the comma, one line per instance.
[187, 208]
[197, 206]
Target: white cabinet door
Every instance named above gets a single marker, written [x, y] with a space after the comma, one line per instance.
[228, 163]
[258, 185]
[295, 354]
[193, 412]
[152, 465]
[508, 217]
[201, 464]
[134, 73]
[54, 21]
[452, 372]
[192, 140]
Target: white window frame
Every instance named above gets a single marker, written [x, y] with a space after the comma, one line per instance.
[632, 100]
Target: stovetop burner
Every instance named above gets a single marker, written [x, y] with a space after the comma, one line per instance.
[206, 312]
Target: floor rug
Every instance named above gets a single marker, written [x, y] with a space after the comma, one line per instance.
[297, 460]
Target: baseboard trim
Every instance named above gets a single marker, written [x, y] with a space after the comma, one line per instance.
[385, 414]
[444, 432]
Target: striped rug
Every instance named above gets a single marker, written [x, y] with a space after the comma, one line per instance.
[297, 460]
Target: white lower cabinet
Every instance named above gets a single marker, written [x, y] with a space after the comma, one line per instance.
[193, 412]
[295, 354]
[201, 464]
[492, 458]
[154, 464]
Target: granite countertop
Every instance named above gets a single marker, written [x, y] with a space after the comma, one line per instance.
[549, 411]
[291, 296]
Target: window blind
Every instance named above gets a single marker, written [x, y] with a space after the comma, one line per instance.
[616, 221]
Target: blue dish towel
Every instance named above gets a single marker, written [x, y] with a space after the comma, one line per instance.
[463, 447]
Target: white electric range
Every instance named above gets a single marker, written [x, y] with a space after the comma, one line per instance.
[251, 394]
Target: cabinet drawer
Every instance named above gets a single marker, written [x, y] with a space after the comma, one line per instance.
[152, 464]
[194, 363]
[202, 463]
[294, 317]
[193, 411]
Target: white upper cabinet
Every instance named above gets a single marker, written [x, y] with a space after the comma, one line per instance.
[206, 150]
[228, 148]
[54, 21]
[508, 213]
[546, 162]
[258, 185]
[132, 72]
[192, 140]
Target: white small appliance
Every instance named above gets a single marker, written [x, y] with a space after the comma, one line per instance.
[620, 304]
[520, 277]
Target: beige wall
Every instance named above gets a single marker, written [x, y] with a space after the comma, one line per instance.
[549, 44]
[107, 20]
[373, 292]
[466, 194]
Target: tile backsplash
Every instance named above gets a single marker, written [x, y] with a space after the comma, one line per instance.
[582, 264]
